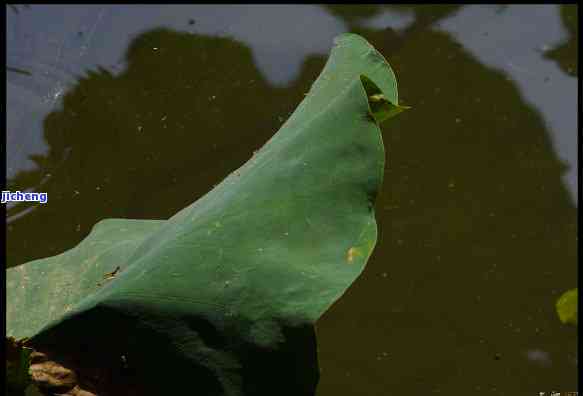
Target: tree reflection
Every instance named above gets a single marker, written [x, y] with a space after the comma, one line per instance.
[477, 230]
[566, 53]
[145, 143]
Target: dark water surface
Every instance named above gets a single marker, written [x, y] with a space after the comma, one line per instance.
[136, 111]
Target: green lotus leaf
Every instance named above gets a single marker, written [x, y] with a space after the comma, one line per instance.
[222, 297]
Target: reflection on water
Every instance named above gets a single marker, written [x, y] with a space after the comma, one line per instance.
[539, 356]
[136, 111]
[476, 226]
[147, 141]
[566, 53]
[503, 41]
[50, 47]
[273, 33]
[391, 19]
[279, 44]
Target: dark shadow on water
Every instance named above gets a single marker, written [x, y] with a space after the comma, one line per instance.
[146, 143]
[424, 14]
[566, 53]
[477, 240]
[125, 349]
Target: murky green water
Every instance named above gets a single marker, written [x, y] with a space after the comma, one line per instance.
[136, 111]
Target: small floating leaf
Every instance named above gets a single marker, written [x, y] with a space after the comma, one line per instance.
[567, 307]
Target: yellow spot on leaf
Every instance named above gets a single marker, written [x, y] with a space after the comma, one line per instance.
[352, 252]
